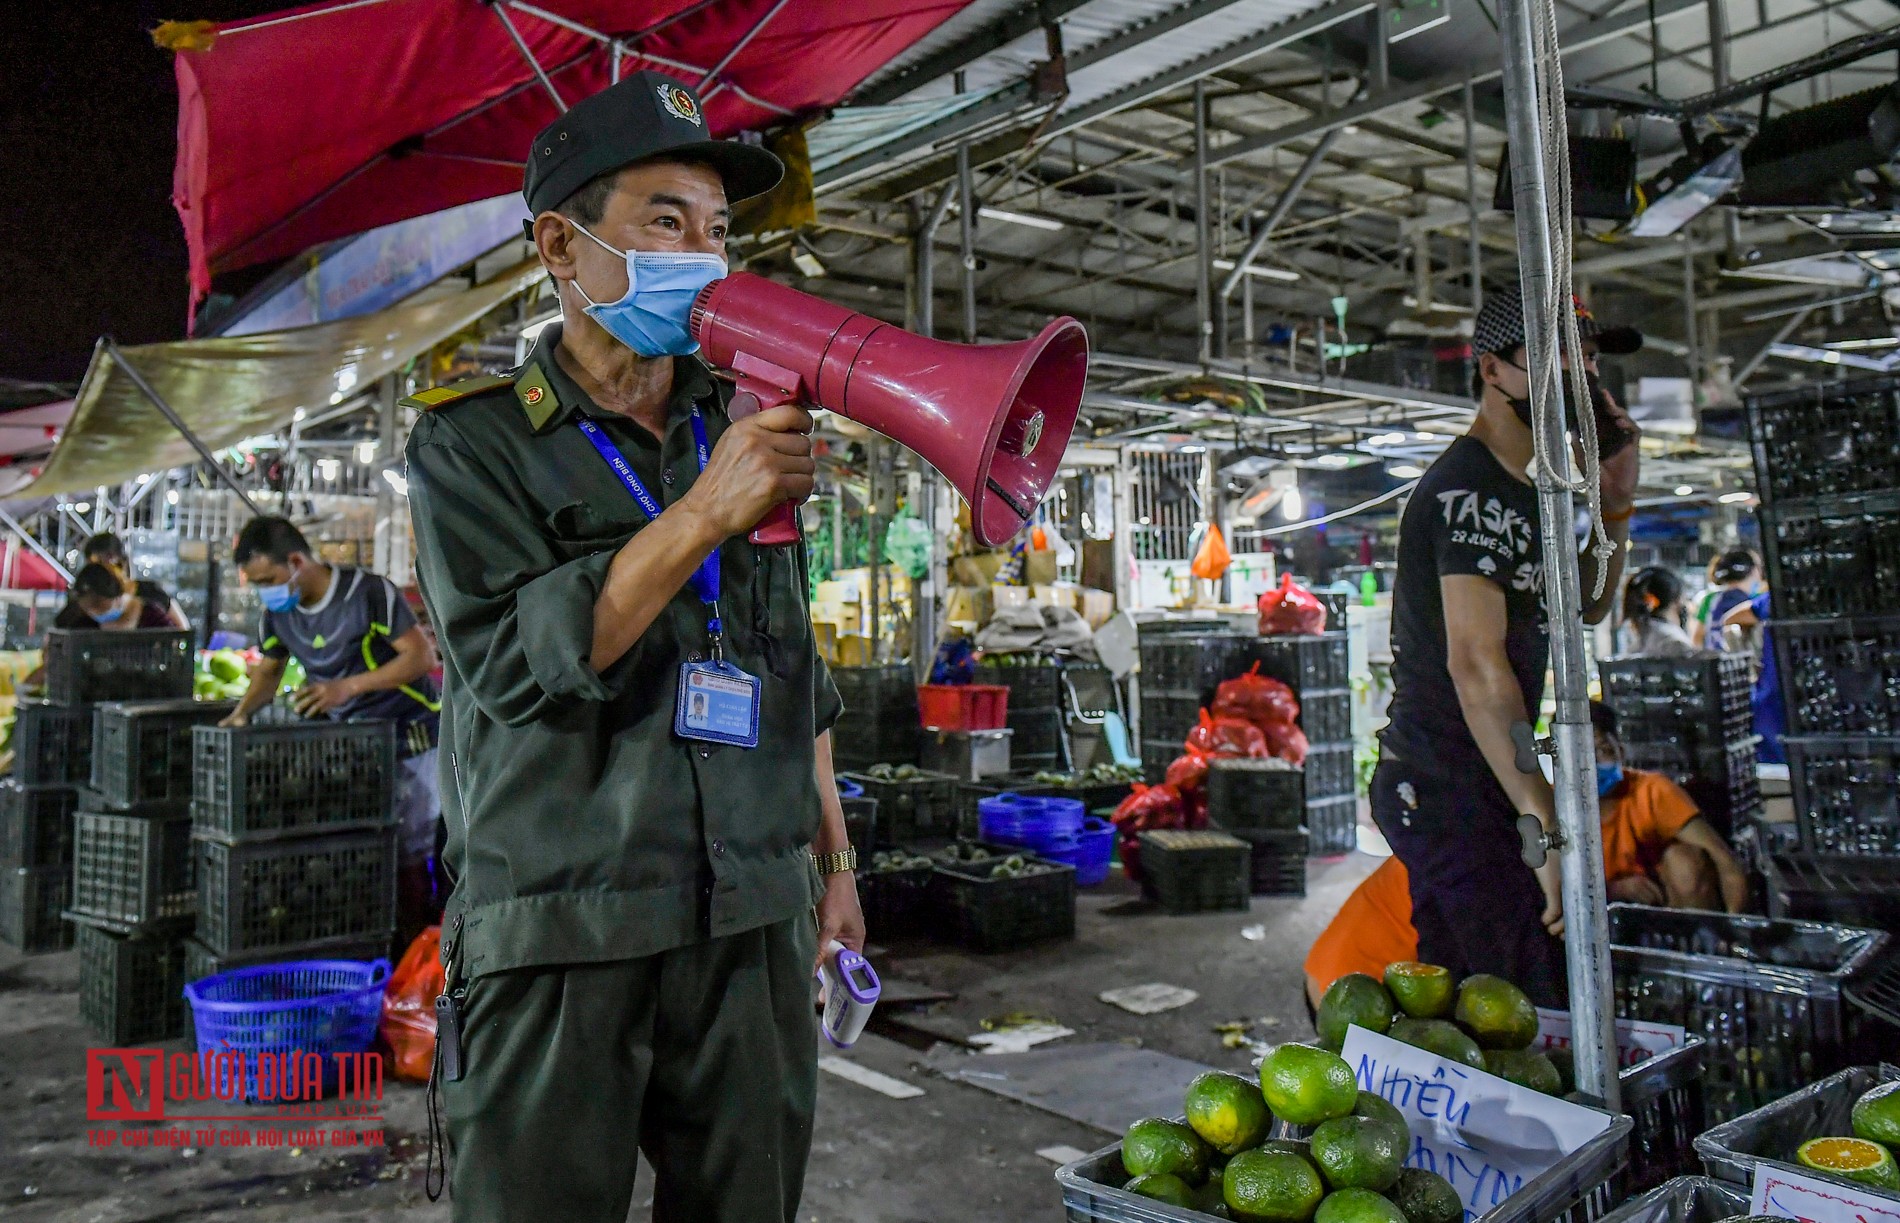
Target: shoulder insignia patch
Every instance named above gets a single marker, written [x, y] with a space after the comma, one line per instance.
[442, 396]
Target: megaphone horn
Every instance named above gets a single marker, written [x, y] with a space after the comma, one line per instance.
[995, 419]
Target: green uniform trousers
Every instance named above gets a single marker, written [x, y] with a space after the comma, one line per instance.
[705, 1057]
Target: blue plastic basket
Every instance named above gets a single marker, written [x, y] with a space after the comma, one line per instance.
[849, 789]
[1031, 821]
[301, 1006]
[1089, 851]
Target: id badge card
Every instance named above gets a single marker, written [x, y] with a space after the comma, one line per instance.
[718, 703]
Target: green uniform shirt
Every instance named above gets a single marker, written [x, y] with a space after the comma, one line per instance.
[581, 828]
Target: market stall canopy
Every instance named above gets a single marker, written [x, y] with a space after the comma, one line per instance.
[233, 387]
[387, 109]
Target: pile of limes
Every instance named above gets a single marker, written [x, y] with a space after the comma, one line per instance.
[1484, 1021]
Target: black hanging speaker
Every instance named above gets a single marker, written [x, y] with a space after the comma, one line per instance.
[1602, 179]
[1809, 157]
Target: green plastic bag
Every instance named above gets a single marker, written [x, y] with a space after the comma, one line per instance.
[907, 545]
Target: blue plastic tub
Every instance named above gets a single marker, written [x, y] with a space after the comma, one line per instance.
[299, 1007]
[1089, 851]
[1028, 820]
[849, 789]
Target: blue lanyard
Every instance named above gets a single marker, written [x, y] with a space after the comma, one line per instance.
[705, 579]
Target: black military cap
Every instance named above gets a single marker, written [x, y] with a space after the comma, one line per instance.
[641, 116]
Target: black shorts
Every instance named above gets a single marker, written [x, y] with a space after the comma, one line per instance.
[1475, 905]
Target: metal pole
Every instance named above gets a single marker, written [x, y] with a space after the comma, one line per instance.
[27, 538]
[925, 609]
[164, 409]
[1787, 329]
[1381, 49]
[1278, 212]
[1586, 915]
[966, 235]
[1475, 249]
[514, 35]
[1203, 280]
[1691, 332]
[1246, 307]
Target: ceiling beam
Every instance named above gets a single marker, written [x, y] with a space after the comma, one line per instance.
[966, 50]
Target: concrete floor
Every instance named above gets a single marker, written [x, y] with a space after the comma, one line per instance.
[955, 1152]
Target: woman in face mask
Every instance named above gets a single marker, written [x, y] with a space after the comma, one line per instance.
[1653, 616]
[98, 600]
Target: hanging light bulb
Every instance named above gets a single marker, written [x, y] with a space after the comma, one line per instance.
[1292, 505]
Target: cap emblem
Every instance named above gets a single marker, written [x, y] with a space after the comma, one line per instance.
[680, 104]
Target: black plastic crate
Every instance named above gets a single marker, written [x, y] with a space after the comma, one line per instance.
[1034, 680]
[895, 897]
[1837, 557]
[1329, 772]
[1202, 871]
[860, 822]
[1277, 859]
[142, 751]
[36, 824]
[972, 908]
[1839, 677]
[31, 901]
[1764, 992]
[1702, 701]
[296, 891]
[1736, 1152]
[88, 665]
[1308, 663]
[1326, 716]
[1168, 718]
[1846, 794]
[132, 871]
[1825, 438]
[1038, 741]
[1190, 664]
[1722, 781]
[52, 744]
[1663, 1097]
[257, 782]
[913, 808]
[1332, 825]
[877, 691]
[131, 988]
[1875, 994]
[1248, 793]
[860, 740]
[1852, 890]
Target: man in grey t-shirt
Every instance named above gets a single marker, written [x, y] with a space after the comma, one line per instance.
[366, 658]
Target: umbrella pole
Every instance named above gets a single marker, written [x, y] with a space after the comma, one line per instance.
[164, 409]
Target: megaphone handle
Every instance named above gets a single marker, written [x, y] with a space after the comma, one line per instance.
[779, 527]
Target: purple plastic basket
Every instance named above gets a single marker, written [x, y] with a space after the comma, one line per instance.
[300, 1006]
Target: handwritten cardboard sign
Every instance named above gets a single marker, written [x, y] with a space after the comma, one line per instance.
[1637, 1040]
[1793, 1196]
[1486, 1135]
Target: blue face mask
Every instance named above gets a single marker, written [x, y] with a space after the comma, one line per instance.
[1609, 776]
[281, 597]
[654, 316]
[111, 613]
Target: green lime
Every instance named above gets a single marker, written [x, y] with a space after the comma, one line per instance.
[1498, 1014]
[1353, 999]
[1439, 1036]
[1305, 1085]
[1354, 1153]
[1857, 1159]
[1426, 1197]
[1378, 1108]
[1227, 1111]
[1156, 1144]
[1877, 1114]
[1526, 1068]
[1423, 991]
[1163, 1187]
[1271, 1187]
[1357, 1206]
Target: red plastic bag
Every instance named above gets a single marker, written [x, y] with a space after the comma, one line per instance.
[1226, 737]
[409, 1006]
[1286, 741]
[1291, 611]
[1256, 698]
[1188, 773]
[1149, 807]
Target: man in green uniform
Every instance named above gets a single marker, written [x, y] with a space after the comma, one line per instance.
[631, 940]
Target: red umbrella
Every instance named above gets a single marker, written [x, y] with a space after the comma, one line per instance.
[319, 122]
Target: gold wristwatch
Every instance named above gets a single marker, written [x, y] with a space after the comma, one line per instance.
[845, 859]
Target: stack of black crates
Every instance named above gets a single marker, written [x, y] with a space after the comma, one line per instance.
[1827, 466]
[129, 890]
[1180, 671]
[1038, 709]
[879, 724]
[295, 843]
[52, 748]
[1689, 719]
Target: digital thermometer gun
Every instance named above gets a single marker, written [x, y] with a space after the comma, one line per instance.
[848, 991]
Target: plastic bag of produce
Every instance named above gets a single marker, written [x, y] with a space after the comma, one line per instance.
[1149, 807]
[1188, 772]
[1290, 610]
[1256, 698]
[1226, 737]
[409, 1006]
[1286, 741]
[1212, 558]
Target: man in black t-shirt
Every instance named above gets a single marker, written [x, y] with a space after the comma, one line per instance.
[1470, 645]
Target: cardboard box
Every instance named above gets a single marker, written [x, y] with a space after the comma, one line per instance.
[1039, 568]
[1058, 594]
[825, 635]
[1097, 606]
[978, 569]
[1009, 596]
[854, 650]
[969, 605]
